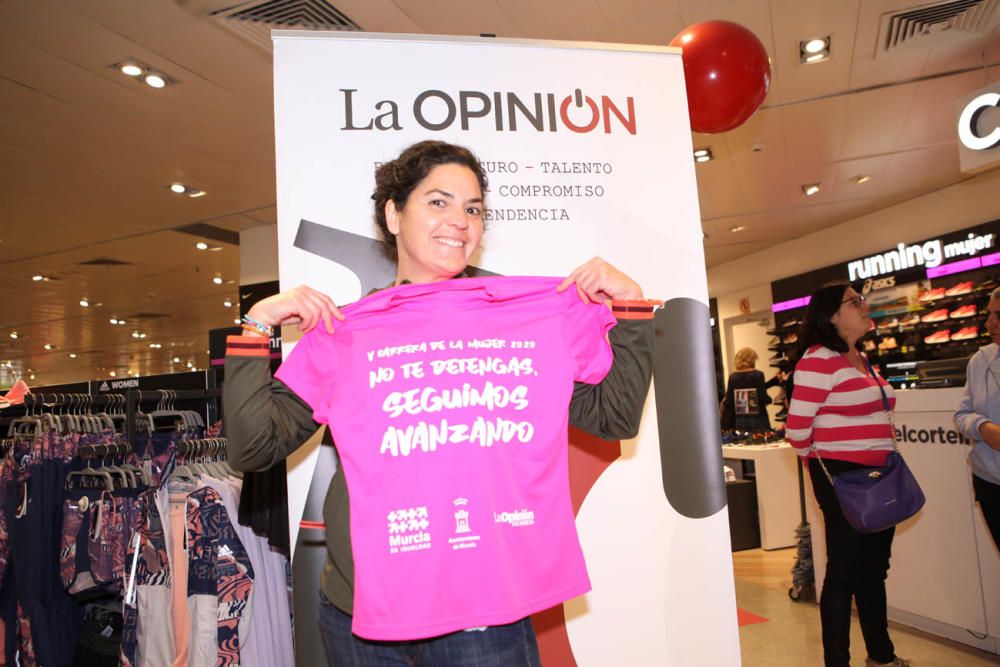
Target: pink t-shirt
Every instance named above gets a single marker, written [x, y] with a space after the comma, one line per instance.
[449, 405]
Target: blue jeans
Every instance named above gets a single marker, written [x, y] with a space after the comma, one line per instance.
[498, 646]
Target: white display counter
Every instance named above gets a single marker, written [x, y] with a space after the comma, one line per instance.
[944, 576]
[777, 490]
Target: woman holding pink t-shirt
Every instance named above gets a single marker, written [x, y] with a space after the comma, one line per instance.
[429, 207]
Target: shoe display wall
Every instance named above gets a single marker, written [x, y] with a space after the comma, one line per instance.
[940, 319]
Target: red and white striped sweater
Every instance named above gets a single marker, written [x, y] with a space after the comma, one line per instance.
[839, 408]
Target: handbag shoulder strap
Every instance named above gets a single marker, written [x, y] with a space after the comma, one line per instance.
[885, 398]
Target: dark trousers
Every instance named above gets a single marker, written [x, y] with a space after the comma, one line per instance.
[988, 497]
[499, 646]
[856, 567]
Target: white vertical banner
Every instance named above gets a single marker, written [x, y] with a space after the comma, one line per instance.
[588, 153]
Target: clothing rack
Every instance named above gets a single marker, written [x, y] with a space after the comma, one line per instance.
[130, 400]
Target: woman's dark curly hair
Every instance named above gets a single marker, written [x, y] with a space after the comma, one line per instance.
[395, 180]
[817, 329]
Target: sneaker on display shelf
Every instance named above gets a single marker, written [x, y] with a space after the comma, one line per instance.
[960, 289]
[942, 336]
[939, 315]
[933, 295]
[888, 324]
[888, 343]
[910, 320]
[968, 310]
[968, 333]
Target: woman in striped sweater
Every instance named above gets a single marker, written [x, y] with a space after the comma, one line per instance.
[837, 413]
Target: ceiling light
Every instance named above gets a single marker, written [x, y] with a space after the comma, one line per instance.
[236, 321]
[737, 228]
[31, 377]
[702, 158]
[72, 355]
[814, 50]
[130, 69]
[200, 245]
[190, 365]
[217, 280]
[112, 374]
[13, 334]
[194, 194]
[155, 81]
[38, 278]
[135, 334]
[810, 189]
[227, 303]
[84, 303]
[214, 248]
[142, 335]
[815, 45]
[861, 179]
[177, 360]
[155, 346]
[48, 346]
[113, 320]
[179, 188]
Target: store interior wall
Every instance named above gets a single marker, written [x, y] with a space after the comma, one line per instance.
[965, 204]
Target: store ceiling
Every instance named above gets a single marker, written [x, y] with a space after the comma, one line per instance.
[86, 154]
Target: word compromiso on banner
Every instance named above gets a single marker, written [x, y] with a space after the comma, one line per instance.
[438, 110]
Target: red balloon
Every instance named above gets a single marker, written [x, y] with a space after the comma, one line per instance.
[727, 74]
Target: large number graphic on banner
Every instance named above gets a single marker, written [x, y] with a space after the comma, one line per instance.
[587, 151]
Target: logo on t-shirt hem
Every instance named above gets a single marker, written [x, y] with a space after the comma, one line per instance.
[408, 530]
[462, 528]
[515, 519]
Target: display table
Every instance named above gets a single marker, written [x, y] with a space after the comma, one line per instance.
[777, 490]
[945, 571]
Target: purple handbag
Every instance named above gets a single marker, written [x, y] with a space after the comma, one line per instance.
[877, 498]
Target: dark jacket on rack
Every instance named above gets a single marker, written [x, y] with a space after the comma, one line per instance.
[266, 421]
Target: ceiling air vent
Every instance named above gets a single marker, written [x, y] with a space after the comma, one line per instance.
[256, 19]
[927, 26]
[104, 261]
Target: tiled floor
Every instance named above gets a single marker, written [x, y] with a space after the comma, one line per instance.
[791, 635]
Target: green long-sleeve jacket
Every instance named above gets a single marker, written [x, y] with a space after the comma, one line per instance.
[266, 421]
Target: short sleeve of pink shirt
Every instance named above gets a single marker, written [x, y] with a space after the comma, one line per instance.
[449, 407]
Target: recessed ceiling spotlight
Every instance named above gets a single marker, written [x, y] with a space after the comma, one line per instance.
[201, 245]
[214, 248]
[176, 360]
[217, 280]
[810, 189]
[84, 303]
[38, 278]
[703, 154]
[179, 188]
[49, 346]
[861, 179]
[194, 194]
[13, 334]
[135, 334]
[737, 228]
[72, 355]
[113, 320]
[130, 69]
[236, 321]
[155, 81]
[112, 374]
[816, 45]
[227, 303]
[814, 50]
